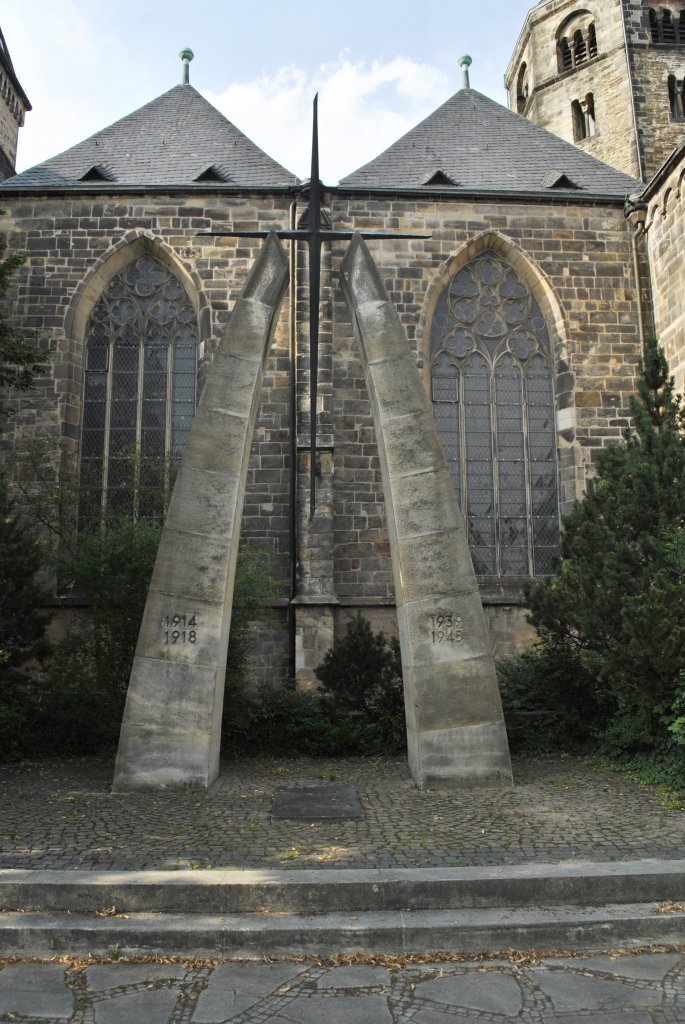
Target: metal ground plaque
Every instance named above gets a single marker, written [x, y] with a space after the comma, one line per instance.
[315, 803]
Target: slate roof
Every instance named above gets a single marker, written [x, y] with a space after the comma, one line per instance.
[482, 146]
[171, 141]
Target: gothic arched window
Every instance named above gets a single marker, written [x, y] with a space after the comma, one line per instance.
[493, 401]
[139, 394]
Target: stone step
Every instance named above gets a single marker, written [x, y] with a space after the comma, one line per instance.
[392, 932]
[324, 891]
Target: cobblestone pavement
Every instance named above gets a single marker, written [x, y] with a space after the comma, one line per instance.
[63, 815]
[647, 988]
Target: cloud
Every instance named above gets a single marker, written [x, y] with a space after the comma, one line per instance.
[363, 108]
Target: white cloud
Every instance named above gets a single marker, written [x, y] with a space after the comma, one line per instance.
[363, 108]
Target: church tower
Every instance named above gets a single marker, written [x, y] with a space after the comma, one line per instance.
[608, 75]
[13, 105]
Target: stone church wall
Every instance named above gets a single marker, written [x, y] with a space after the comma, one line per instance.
[552, 92]
[575, 256]
[628, 84]
[578, 258]
[72, 244]
[665, 234]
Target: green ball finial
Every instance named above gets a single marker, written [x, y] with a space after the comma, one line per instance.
[186, 56]
[465, 63]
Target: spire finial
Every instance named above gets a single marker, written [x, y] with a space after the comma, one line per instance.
[186, 56]
[465, 63]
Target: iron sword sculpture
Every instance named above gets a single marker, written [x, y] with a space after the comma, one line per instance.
[315, 235]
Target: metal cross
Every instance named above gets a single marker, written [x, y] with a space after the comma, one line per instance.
[315, 236]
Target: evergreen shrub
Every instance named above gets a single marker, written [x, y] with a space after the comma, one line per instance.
[617, 602]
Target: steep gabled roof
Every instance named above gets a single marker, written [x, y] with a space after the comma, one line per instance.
[170, 141]
[484, 147]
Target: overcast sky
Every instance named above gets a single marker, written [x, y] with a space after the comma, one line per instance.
[377, 67]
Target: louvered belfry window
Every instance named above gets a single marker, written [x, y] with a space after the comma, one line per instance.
[140, 392]
[493, 401]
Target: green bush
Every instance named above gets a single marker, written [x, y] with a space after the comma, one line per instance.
[550, 702]
[23, 621]
[617, 602]
[23, 618]
[358, 710]
[362, 676]
[79, 705]
[285, 722]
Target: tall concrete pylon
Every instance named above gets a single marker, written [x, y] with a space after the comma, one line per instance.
[455, 726]
[171, 730]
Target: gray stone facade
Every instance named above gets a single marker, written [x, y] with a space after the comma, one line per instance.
[555, 217]
[632, 125]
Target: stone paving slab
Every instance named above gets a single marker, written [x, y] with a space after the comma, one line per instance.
[63, 815]
[646, 988]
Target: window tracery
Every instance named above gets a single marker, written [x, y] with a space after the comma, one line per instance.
[493, 402]
[139, 392]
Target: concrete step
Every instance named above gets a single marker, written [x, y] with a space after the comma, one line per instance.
[394, 932]
[325, 891]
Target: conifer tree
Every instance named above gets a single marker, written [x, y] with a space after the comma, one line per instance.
[618, 600]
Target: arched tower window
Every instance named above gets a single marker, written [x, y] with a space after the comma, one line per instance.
[676, 98]
[579, 126]
[579, 48]
[139, 392]
[564, 55]
[493, 401]
[590, 115]
[667, 27]
[576, 41]
[521, 89]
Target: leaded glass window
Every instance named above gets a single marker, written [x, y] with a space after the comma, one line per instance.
[493, 401]
[139, 394]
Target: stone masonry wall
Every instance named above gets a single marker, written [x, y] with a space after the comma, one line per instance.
[575, 256]
[551, 92]
[72, 244]
[665, 227]
[629, 84]
[578, 260]
[12, 112]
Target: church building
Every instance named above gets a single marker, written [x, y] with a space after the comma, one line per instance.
[543, 262]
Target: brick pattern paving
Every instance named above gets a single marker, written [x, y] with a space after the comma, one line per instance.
[63, 816]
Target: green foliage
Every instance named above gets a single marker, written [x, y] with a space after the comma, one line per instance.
[81, 701]
[288, 723]
[23, 622]
[362, 676]
[19, 361]
[358, 710]
[549, 699]
[22, 618]
[618, 600]
[677, 726]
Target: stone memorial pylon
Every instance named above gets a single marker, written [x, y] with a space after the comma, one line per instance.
[455, 727]
[171, 730]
